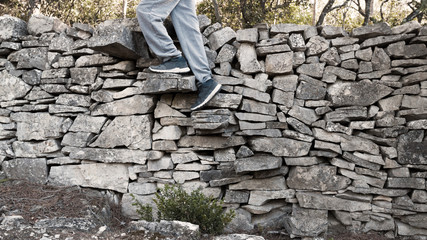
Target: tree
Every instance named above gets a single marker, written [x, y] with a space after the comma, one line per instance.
[329, 7]
[247, 13]
[419, 8]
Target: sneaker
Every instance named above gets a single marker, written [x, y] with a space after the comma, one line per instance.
[173, 65]
[207, 90]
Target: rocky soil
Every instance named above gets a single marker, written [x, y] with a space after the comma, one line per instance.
[36, 211]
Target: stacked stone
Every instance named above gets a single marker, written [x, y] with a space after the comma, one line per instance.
[311, 124]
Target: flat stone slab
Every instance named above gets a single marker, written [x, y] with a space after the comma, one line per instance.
[282, 147]
[105, 176]
[118, 40]
[35, 169]
[154, 83]
[112, 155]
[363, 93]
[318, 201]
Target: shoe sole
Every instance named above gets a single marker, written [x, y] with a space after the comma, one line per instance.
[211, 95]
[174, 70]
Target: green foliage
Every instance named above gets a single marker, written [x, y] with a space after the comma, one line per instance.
[70, 11]
[239, 14]
[174, 203]
[145, 211]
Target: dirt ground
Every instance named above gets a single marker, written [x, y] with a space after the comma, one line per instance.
[35, 202]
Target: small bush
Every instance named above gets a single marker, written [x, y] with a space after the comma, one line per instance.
[145, 211]
[174, 203]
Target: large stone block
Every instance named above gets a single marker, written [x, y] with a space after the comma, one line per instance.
[11, 87]
[117, 38]
[280, 63]
[210, 142]
[133, 132]
[306, 222]
[163, 83]
[221, 37]
[104, 176]
[412, 149]
[35, 149]
[257, 163]
[39, 126]
[39, 24]
[29, 58]
[318, 201]
[138, 104]
[363, 93]
[12, 27]
[112, 155]
[317, 178]
[247, 57]
[284, 147]
[30, 169]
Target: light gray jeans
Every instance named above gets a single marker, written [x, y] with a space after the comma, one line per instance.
[152, 13]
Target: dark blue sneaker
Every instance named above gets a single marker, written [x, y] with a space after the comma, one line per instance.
[207, 91]
[173, 65]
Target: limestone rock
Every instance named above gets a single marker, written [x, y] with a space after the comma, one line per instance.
[12, 27]
[167, 229]
[316, 178]
[247, 57]
[211, 119]
[260, 197]
[206, 142]
[11, 87]
[280, 63]
[371, 31]
[133, 132]
[249, 35]
[39, 126]
[363, 93]
[317, 45]
[306, 222]
[39, 24]
[36, 149]
[162, 83]
[257, 163]
[266, 184]
[318, 201]
[139, 104]
[86, 123]
[28, 58]
[221, 37]
[112, 155]
[280, 146]
[105, 176]
[35, 169]
[118, 40]
[411, 148]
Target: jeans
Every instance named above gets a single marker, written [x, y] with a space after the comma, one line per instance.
[152, 13]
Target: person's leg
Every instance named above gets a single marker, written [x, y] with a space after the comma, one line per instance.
[187, 29]
[186, 26]
[151, 15]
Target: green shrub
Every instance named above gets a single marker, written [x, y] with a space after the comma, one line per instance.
[145, 211]
[174, 203]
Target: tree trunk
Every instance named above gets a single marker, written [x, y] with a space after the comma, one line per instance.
[125, 8]
[216, 9]
[326, 10]
[368, 11]
[313, 22]
[34, 7]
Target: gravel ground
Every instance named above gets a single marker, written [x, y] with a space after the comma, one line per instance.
[35, 211]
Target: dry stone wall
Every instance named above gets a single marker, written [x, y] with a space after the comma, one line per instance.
[313, 128]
